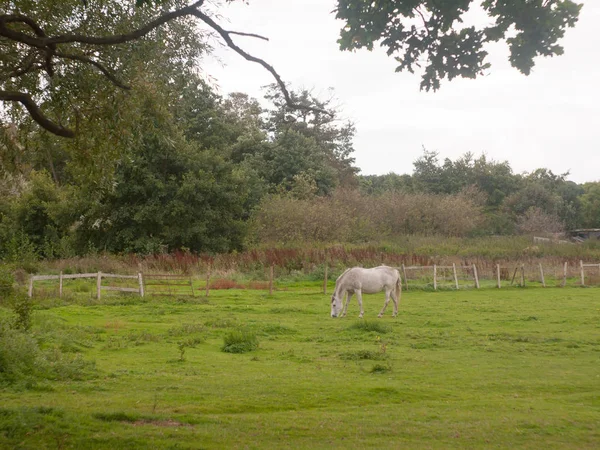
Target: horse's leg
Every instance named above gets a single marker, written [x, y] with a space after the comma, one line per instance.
[348, 297]
[358, 293]
[387, 300]
[395, 299]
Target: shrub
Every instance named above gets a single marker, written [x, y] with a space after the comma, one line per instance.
[7, 281]
[20, 356]
[22, 360]
[22, 307]
[239, 341]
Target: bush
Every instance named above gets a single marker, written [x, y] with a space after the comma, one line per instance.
[239, 341]
[7, 281]
[22, 307]
[20, 356]
[22, 360]
[348, 216]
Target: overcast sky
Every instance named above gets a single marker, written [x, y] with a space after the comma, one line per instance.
[549, 119]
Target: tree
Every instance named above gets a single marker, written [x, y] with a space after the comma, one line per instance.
[41, 42]
[590, 201]
[169, 194]
[314, 139]
[431, 33]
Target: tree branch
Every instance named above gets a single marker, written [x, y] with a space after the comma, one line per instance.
[227, 38]
[239, 33]
[48, 46]
[36, 113]
[96, 64]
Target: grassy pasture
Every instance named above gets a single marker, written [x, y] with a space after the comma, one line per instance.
[468, 369]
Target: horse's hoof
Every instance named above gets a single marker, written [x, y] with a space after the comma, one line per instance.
[379, 316]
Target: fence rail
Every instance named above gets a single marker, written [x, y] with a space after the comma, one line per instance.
[436, 276]
[98, 276]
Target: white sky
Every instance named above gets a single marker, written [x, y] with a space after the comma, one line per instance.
[549, 119]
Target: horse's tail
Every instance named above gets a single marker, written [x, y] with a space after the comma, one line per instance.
[398, 286]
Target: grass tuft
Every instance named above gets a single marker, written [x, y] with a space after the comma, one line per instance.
[239, 341]
[362, 355]
[380, 368]
[116, 417]
[370, 326]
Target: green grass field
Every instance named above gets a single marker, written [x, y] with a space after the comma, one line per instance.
[468, 369]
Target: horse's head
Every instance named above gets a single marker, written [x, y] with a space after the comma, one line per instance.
[336, 306]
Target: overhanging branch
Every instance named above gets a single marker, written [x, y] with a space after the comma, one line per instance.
[48, 47]
[35, 113]
[226, 35]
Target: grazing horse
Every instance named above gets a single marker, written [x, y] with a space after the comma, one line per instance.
[368, 281]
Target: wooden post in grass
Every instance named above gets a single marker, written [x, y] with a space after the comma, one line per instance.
[404, 273]
[455, 277]
[325, 281]
[522, 275]
[434, 277]
[98, 285]
[271, 270]
[582, 273]
[476, 277]
[60, 284]
[30, 291]
[207, 279]
[141, 283]
[498, 275]
[514, 275]
[564, 281]
[542, 275]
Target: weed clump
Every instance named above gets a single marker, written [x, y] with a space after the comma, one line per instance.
[363, 355]
[368, 326]
[23, 361]
[239, 341]
[116, 417]
[380, 368]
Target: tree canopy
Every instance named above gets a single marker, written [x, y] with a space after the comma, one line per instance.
[431, 34]
[50, 49]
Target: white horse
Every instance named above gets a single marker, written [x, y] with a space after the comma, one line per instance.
[369, 281]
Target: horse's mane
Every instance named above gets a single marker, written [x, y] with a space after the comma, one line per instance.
[344, 273]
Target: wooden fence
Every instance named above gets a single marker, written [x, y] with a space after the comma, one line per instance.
[98, 276]
[435, 276]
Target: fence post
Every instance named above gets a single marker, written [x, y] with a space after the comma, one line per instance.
[141, 283]
[404, 273]
[60, 284]
[582, 273]
[434, 277]
[325, 281]
[542, 275]
[476, 277]
[192, 285]
[522, 275]
[207, 279]
[271, 279]
[498, 275]
[564, 282]
[30, 291]
[98, 285]
[455, 277]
